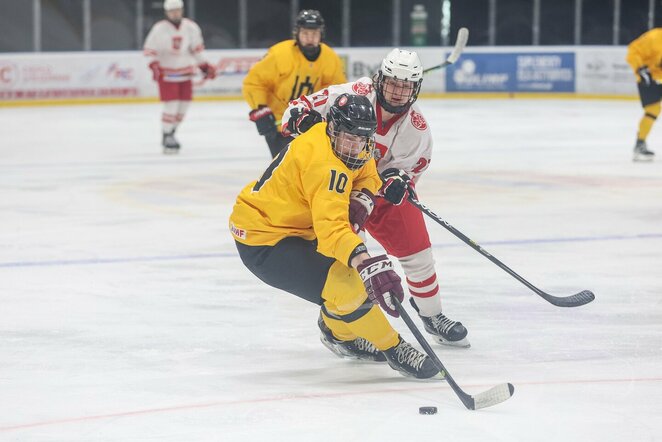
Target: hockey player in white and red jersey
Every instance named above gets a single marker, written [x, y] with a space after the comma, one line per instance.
[174, 47]
[404, 150]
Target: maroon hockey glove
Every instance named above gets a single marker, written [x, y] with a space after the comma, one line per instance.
[381, 282]
[264, 120]
[396, 187]
[361, 204]
[209, 70]
[302, 120]
[157, 73]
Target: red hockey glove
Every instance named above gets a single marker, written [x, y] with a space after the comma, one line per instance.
[396, 187]
[302, 120]
[361, 204]
[381, 282]
[209, 70]
[264, 120]
[645, 75]
[157, 72]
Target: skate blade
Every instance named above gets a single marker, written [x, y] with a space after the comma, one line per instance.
[170, 151]
[462, 343]
[440, 375]
[643, 158]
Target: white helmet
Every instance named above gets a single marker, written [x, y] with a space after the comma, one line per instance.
[402, 66]
[169, 5]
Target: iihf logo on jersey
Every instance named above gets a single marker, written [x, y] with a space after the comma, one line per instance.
[239, 233]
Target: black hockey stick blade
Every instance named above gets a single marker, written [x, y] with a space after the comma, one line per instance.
[576, 300]
[493, 396]
[460, 43]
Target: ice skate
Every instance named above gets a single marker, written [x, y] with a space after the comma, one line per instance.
[170, 143]
[410, 362]
[445, 330]
[641, 152]
[359, 348]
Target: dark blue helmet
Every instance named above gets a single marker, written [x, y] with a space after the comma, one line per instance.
[355, 116]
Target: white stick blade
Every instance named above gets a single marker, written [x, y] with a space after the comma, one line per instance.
[493, 396]
[460, 43]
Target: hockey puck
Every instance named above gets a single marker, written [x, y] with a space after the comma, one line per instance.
[427, 410]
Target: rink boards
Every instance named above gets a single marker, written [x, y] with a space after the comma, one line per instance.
[97, 77]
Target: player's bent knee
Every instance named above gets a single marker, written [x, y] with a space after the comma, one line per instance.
[418, 266]
[343, 289]
[652, 110]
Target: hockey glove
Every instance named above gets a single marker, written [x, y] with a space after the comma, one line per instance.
[157, 72]
[302, 120]
[264, 120]
[381, 282]
[396, 187]
[209, 71]
[645, 75]
[361, 204]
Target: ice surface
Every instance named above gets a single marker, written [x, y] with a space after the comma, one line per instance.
[125, 313]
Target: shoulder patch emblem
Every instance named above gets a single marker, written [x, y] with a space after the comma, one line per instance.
[418, 121]
[361, 88]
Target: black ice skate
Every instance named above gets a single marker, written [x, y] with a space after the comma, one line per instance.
[641, 152]
[411, 362]
[445, 331]
[359, 348]
[170, 143]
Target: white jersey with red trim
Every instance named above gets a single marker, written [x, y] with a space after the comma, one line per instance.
[404, 142]
[178, 49]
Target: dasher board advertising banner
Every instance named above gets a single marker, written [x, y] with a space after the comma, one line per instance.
[512, 72]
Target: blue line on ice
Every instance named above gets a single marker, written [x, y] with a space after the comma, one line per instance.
[233, 254]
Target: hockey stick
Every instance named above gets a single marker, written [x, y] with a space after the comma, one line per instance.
[460, 43]
[576, 300]
[493, 396]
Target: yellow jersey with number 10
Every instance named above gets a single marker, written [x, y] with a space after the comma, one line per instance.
[304, 192]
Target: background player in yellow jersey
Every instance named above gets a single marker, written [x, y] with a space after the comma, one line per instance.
[291, 68]
[292, 228]
[645, 57]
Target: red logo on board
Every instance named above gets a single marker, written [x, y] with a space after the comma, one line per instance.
[418, 121]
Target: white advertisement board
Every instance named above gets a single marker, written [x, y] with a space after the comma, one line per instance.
[603, 70]
[90, 76]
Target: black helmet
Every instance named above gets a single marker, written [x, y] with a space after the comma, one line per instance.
[354, 115]
[308, 19]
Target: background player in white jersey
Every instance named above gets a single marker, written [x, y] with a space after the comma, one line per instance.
[404, 145]
[174, 47]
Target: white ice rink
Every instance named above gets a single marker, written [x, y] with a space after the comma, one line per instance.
[126, 315]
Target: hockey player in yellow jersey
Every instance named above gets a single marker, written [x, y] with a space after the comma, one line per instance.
[295, 230]
[291, 68]
[645, 57]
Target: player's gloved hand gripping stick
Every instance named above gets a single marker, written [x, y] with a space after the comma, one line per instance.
[382, 283]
